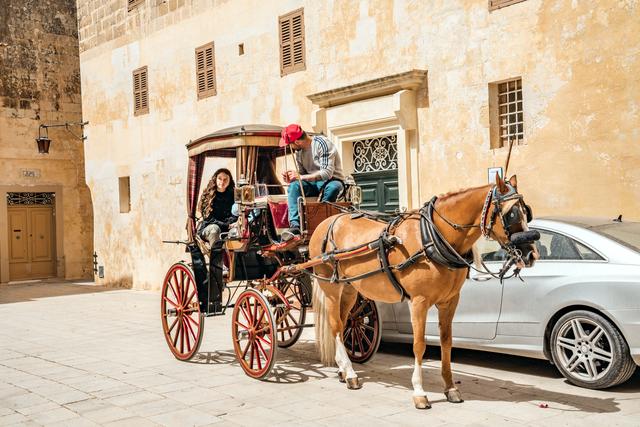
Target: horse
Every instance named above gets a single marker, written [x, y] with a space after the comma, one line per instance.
[454, 222]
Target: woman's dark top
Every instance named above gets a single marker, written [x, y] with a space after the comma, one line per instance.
[221, 210]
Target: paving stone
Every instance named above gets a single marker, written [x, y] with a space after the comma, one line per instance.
[117, 369]
[53, 415]
[190, 417]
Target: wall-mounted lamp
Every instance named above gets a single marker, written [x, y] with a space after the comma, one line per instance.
[43, 140]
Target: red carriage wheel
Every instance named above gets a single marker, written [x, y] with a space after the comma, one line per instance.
[362, 331]
[253, 331]
[289, 319]
[182, 321]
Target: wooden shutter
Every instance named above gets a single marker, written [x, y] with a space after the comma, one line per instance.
[206, 70]
[131, 4]
[140, 91]
[497, 4]
[292, 47]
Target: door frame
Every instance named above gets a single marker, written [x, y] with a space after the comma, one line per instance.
[58, 222]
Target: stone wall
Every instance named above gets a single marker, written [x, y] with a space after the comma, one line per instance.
[40, 84]
[580, 84]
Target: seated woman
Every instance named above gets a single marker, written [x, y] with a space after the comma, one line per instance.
[215, 205]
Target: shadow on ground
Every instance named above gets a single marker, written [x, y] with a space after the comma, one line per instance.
[286, 370]
[299, 364]
[25, 292]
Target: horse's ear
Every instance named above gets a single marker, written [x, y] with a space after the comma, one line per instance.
[502, 187]
[514, 182]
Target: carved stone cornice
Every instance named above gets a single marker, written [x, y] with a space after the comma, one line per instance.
[413, 79]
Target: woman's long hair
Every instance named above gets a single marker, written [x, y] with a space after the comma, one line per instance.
[209, 193]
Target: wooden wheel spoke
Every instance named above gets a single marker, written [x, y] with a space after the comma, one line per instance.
[360, 308]
[245, 314]
[256, 303]
[182, 334]
[186, 336]
[262, 313]
[171, 302]
[368, 327]
[292, 318]
[244, 352]
[173, 325]
[173, 290]
[258, 358]
[264, 340]
[240, 324]
[264, 353]
[193, 321]
[364, 335]
[252, 345]
[359, 339]
[189, 328]
[175, 338]
[189, 298]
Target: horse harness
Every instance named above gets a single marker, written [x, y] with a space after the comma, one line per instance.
[434, 246]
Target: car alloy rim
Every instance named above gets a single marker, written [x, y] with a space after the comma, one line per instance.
[584, 349]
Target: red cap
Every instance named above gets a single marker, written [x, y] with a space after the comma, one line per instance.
[289, 134]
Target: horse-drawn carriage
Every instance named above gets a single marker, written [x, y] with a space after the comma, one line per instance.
[243, 271]
[422, 255]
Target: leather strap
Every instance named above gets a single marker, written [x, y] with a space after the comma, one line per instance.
[436, 248]
[384, 265]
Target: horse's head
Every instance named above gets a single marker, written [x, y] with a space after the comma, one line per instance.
[505, 218]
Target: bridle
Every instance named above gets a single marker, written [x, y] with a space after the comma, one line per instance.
[507, 219]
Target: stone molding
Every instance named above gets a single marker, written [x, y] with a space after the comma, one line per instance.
[409, 80]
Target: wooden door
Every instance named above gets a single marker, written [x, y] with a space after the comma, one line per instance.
[379, 190]
[31, 242]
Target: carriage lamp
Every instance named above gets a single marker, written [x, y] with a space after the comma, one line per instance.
[43, 140]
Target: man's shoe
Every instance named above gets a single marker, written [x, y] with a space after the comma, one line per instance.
[290, 234]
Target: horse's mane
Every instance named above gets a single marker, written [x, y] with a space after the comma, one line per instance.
[453, 196]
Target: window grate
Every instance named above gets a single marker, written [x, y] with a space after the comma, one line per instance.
[510, 115]
[140, 91]
[206, 71]
[375, 154]
[30, 199]
[292, 43]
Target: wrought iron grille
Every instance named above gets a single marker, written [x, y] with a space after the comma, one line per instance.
[510, 105]
[375, 154]
[30, 198]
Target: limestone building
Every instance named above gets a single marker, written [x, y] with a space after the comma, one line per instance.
[421, 97]
[46, 223]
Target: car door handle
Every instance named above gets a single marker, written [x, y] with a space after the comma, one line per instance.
[481, 278]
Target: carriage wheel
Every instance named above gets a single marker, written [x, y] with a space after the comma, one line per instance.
[253, 331]
[362, 331]
[182, 321]
[289, 321]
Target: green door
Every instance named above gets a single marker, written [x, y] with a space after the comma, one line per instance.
[379, 190]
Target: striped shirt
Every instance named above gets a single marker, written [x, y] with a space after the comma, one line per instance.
[321, 160]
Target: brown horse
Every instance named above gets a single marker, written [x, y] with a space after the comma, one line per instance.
[498, 212]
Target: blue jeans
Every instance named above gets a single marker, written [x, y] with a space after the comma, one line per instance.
[311, 189]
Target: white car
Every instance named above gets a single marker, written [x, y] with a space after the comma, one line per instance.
[578, 306]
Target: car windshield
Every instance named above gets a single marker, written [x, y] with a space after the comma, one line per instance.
[626, 233]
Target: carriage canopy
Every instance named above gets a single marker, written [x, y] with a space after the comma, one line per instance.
[246, 143]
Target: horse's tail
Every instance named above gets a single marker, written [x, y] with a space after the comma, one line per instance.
[325, 342]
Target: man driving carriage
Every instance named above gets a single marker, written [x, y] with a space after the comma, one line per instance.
[318, 169]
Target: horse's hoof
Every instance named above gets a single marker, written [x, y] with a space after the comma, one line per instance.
[453, 395]
[353, 383]
[341, 377]
[421, 402]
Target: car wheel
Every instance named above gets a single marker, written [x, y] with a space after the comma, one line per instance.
[589, 351]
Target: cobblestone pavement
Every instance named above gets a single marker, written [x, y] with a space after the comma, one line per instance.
[78, 354]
